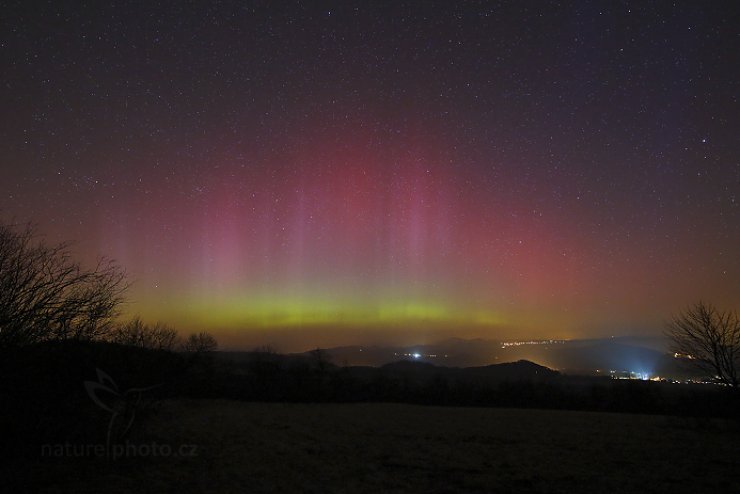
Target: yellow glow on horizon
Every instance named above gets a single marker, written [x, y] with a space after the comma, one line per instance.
[243, 312]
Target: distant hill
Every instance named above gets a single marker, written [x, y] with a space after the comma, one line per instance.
[453, 352]
[605, 355]
[425, 372]
[511, 371]
[410, 369]
[637, 354]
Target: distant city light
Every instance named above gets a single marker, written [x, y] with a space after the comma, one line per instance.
[506, 344]
[625, 374]
[416, 355]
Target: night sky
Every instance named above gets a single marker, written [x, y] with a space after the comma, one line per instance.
[312, 174]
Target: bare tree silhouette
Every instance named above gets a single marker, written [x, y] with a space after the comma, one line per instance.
[200, 343]
[136, 333]
[321, 359]
[46, 295]
[710, 339]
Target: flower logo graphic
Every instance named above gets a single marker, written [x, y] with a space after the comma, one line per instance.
[121, 405]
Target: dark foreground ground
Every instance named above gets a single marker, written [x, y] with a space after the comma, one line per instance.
[247, 447]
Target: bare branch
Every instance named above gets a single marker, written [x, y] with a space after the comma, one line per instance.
[710, 338]
[45, 295]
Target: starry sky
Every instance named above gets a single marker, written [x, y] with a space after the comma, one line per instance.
[310, 173]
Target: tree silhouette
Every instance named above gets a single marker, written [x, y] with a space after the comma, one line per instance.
[46, 295]
[136, 333]
[710, 339]
[200, 343]
[321, 359]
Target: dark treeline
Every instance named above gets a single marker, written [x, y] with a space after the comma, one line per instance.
[266, 376]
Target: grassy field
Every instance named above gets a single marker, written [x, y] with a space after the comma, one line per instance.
[254, 447]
